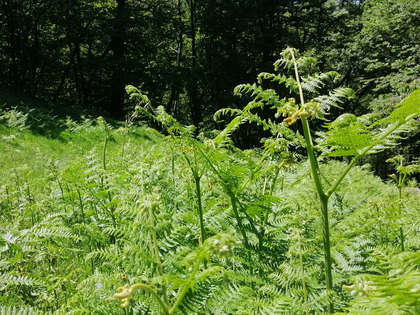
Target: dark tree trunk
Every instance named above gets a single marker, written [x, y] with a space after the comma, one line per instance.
[176, 86]
[117, 83]
[31, 57]
[11, 17]
[195, 107]
[31, 51]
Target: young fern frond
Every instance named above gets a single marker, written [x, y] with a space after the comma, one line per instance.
[306, 65]
[401, 166]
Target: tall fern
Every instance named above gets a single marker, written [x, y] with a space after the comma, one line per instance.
[347, 135]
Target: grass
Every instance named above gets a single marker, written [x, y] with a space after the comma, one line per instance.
[43, 137]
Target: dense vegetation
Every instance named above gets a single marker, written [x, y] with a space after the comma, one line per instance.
[188, 195]
[125, 220]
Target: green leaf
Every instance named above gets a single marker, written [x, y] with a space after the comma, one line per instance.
[19, 310]
[7, 279]
[349, 136]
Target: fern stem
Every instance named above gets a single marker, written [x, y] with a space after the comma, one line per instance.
[308, 138]
[327, 249]
[197, 180]
[305, 291]
[255, 170]
[81, 205]
[238, 218]
[155, 248]
[342, 175]
[402, 238]
[154, 294]
[265, 183]
[173, 165]
[302, 100]
[322, 196]
[273, 184]
[61, 189]
[105, 147]
[400, 186]
[185, 289]
[312, 159]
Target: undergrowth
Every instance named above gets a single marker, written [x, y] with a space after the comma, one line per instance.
[126, 220]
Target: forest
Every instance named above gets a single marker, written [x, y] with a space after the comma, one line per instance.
[209, 157]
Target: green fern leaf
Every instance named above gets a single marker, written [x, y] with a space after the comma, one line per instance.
[7, 279]
[348, 135]
[19, 310]
[408, 109]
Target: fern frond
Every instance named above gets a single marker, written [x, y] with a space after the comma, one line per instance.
[107, 254]
[116, 232]
[196, 299]
[283, 63]
[8, 279]
[346, 139]
[334, 98]
[19, 310]
[347, 135]
[48, 232]
[397, 291]
[312, 83]
[406, 110]
[280, 79]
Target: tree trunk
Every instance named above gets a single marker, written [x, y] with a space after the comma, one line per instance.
[11, 17]
[117, 82]
[195, 107]
[176, 86]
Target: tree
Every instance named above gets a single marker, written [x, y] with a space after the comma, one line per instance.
[385, 55]
[117, 47]
[20, 34]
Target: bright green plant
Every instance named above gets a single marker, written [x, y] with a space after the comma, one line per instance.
[217, 246]
[235, 174]
[183, 139]
[403, 170]
[75, 234]
[348, 135]
[107, 135]
[16, 121]
[394, 289]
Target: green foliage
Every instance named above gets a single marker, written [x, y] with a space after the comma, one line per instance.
[395, 290]
[13, 310]
[135, 221]
[347, 135]
[389, 46]
[70, 257]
